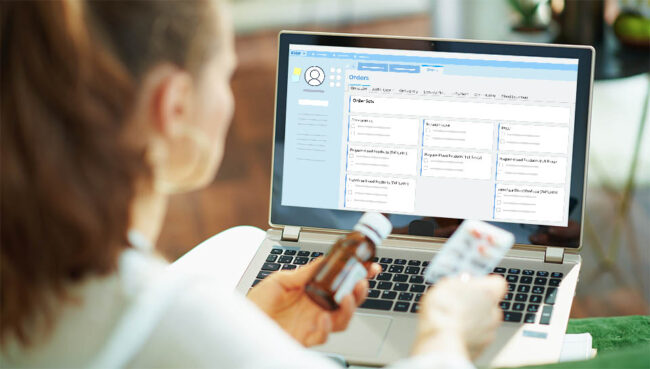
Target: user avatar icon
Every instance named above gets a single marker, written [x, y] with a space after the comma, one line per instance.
[314, 76]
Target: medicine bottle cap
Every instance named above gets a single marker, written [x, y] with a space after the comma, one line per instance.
[374, 226]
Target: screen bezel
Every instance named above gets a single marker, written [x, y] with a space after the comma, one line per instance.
[584, 54]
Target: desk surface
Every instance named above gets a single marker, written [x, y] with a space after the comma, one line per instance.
[622, 342]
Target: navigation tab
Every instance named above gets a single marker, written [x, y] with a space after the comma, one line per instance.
[408, 91]
[403, 68]
[358, 88]
[319, 54]
[342, 55]
[373, 66]
[426, 92]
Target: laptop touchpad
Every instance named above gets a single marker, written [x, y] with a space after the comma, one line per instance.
[364, 336]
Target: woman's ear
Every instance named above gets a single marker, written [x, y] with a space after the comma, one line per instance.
[166, 107]
[171, 104]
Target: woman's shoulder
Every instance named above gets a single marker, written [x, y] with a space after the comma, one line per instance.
[83, 319]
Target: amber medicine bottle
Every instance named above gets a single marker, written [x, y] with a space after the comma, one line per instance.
[348, 261]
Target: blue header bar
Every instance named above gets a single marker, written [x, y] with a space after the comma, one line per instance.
[437, 61]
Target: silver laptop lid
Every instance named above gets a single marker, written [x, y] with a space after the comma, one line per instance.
[432, 132]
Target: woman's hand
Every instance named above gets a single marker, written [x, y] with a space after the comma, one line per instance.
[282, 297]
[460, 315]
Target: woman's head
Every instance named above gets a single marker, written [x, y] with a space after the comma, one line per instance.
[100, 100]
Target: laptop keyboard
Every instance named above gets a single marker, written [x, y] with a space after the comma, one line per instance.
[399, 287]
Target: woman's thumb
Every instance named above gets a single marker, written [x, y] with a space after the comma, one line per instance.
[302, 276]
[496, 286]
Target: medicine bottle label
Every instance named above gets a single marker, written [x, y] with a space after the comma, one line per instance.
[352, 273]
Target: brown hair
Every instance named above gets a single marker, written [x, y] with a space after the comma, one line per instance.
[70, 161]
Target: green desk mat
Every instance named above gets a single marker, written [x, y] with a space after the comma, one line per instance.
[622, 342]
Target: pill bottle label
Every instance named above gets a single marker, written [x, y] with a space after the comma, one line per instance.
[352, 273]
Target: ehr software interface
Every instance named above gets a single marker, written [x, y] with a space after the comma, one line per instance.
[426, 133]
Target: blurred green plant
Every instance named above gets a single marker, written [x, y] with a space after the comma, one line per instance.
[527, 9]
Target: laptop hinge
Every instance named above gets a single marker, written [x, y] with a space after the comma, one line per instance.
[554, 255]
[290, 233]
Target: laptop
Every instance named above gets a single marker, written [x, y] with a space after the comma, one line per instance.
[431, 132]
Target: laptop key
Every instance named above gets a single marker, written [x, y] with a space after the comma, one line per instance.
[400, 278]
[388, 295]
[518, 306]
[386, 260]
[557, 275]
[384, 277]
[373, 294]
[512, 278]
[263, 274]
[415, 308]
[536, 299]
[513, 271]
[401, 287]
[508, 296]
[303, 253]
[276, 251]
[538, 290]
[541, 273]
[530, 318]
[300, 260]
[526, 280]
[414, 262]
[400, 261]
[551, 294]
[499, 270]
[554, 282]
[395, 269]
[372, 283]
[510, 316]
[384, 267]
[416, 279]
[375, 259]
[523, 288]
[255, 282]
[377, 304]
[385, 285]
[271, 266]
[418, 288]
[316, 254]
[425, 263]
[405, 296]
[271, 258]
[402, 306]
[290, 252]
[546, 314]
[504, 305]
[412, 270]
[528, 272]
[511, 287]
[418, 297]
[285, 259]
[521, 297]
[532, 308]
[541, 281]
[289, 267]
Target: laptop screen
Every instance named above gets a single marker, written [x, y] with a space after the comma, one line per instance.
[430, 136]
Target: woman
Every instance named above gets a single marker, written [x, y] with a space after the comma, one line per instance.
[107, 109]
